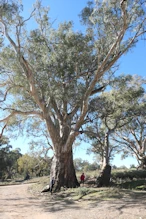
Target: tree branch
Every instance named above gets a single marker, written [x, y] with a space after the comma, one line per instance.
[53, 102]
[5, 95]
[1, 134]
[16, 112]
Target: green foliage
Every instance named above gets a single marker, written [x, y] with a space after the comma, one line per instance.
[115, 112]
[132, 166]
[25, 164]
[83, 165]
[131, 137]
[107, 17]
[60, 59]
[82, 191]
[92, 167]
[35, 166]
[9, 10]
[8, 159]
[135, 184]
[129, 174]
[86, 13]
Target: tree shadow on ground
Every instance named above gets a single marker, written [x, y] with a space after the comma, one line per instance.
[118, 199]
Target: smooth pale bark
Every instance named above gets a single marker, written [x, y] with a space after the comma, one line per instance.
[105, 174]
[106, 151]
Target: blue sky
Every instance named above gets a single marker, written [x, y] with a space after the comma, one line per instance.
[132, 63]
[60, 10]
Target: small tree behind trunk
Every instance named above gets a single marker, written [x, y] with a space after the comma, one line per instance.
[105, 174]
[104, 177]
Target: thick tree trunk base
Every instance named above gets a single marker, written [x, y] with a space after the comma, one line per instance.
[63, 172]
[104, 177]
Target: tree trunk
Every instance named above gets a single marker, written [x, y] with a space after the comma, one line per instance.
[105, 174]
[63, 171]
[142, 161]
[104, 177]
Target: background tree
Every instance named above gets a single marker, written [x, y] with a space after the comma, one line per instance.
[131, 137]
[4, 148]
[78, 163]
[8, 159]
[132, 140]
[34, 166]
[112, 111]
[26, 164]
[83, 165]
[11, 163]
[40, 151]
[51, 74]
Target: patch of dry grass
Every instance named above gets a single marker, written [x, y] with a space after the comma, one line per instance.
[84, 193]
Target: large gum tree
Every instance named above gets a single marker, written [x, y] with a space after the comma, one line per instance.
[51, 74]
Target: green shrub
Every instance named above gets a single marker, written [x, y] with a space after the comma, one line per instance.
[128, 175]
[135, 184]
[82, 191]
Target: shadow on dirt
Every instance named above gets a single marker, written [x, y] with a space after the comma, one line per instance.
[121, 200]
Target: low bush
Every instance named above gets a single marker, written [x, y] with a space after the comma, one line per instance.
[135, 184]
[128, 175]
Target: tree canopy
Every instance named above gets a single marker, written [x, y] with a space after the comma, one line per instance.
[8, 159]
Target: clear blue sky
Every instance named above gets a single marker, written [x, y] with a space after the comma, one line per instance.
[132, 63]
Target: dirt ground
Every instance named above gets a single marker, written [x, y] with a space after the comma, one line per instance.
[17, 203]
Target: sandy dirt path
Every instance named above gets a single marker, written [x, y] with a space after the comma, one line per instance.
[17, 203]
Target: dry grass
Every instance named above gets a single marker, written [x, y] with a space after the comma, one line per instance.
[85, 193]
